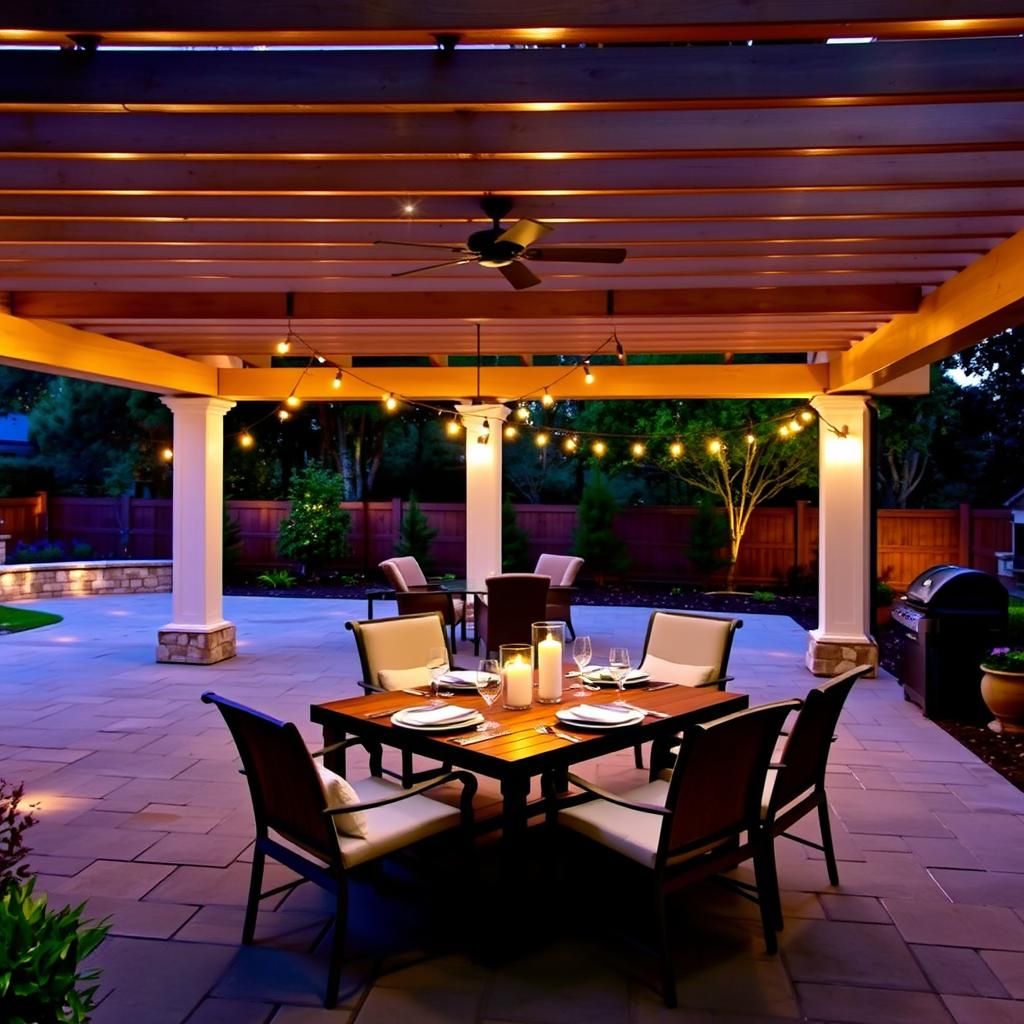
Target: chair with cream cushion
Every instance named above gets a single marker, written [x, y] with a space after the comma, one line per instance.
[301, 809]
[703, 820]
[562, 570]
[795, 786]
[393, 654]
[514, 601]
[414, 594]
[688, 649]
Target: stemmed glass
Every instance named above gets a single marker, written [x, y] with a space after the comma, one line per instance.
[437, 666]
[618, 665]
[581, 654]
[488, 685]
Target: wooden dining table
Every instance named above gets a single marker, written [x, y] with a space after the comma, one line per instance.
[522, 754]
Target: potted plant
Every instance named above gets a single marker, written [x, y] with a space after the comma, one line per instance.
[1002, 688]
[883, 602]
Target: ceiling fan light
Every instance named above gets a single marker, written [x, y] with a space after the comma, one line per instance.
[494, 263]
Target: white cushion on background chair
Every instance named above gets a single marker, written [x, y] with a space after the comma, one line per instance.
[338, 792]
[634, 834]
[403, 678]
[663, 671]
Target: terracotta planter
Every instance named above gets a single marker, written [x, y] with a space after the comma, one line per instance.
[883, 615]
[1003, 693]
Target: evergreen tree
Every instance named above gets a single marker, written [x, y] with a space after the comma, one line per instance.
[416, 534]
[596, 541]
[317, 529]
[515, 541]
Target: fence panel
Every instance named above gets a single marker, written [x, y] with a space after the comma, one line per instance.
[991, 531]
[911, 540]
[102, 523]
[23, 519]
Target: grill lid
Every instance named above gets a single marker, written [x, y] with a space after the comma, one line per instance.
[948, 587]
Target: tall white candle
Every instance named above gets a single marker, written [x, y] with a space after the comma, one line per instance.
[518, 683]
[549, 669]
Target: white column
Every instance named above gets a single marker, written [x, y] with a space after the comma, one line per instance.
[842, 638]
[197, 532]
[483, 488]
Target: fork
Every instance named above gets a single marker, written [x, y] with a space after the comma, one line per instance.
[646, 711]
[408, 707]
[550, 730]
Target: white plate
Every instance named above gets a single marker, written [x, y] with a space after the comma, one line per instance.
[474, 718]
[460, 679]
[635, 676]
[565, 715]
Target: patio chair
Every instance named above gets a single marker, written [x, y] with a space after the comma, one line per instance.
[321, 826]
[795, 785]
[514, 601]
[393, 655]
[688, 649]
[405, 573]
[563, 570]
[703, 820]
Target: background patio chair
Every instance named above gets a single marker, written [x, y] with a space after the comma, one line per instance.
[393, 655]
[563, 570]
[692, 650]
[403, 575]
[795, 784]
[705, 819]
[515, 600]
[290, 805]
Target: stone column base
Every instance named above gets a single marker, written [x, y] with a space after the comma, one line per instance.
[830, 658]
[195, 648]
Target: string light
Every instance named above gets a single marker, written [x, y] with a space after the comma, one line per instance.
[795, 426]
[546, 400]
[783, 431]
[245, 439]
[750, 439]
[522, 413]
[293, 401]
[484, 436]
[511, 433]
[283, 414]
[321, 359]
[453, 428]
[599, 448]
[390, 402]
[588, 377]
[620, 352]
[714, 447]
[570, 444]
[284, 346]
[807, 416]
[167, 454]
[541, 439]
[675, 449]
[336, 383]
[637, 450]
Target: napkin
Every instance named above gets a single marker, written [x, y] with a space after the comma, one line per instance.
[605, 675]
[600, 713]
[436, 716]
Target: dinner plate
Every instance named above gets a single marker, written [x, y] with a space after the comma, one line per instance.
[461, 679]
[565, 716]
[635, 676]
[473, 718]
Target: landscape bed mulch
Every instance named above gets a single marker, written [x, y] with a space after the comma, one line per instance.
[1003, 752]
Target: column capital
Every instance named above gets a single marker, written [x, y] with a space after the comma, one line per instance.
[484, 410]
[200, 403]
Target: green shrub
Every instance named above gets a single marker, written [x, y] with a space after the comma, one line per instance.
[766, 596]
[595, 541]
[883, 594]
[39, 976]
[278, 579]
[416, 535]
[316, 531]
[709, 538]
[515, 541]
[81, 551]
[14, 822]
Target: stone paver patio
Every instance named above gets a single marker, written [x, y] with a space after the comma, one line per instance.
[144, 814]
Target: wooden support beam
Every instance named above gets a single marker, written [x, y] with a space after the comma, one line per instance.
[980, 301]
[267, 22]
[773, 380]
[620, 78]
[67, 351]
[434, 305]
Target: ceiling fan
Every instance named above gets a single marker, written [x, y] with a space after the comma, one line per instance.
[502, 249]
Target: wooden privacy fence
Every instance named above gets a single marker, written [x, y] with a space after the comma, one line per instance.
[656, 537]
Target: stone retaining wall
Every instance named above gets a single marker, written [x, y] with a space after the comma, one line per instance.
[75, 579]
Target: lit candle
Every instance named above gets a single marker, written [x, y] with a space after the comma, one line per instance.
[549, 670]
[518, 683]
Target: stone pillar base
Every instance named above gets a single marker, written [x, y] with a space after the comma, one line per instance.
[195, 648]
[832, 657]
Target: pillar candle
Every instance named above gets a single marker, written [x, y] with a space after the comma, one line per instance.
[549, 669]
[518, 683]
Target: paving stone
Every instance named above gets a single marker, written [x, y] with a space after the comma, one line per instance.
[958, 971]
[1008, 968]
[865, 909]
[231, 1011]
[215, 851]
[294, 930]
[983, 888]
[131, 917]
[123, 880]
[843, 1004]
[973, 1010]
[941, 853]
[995, 839]
[957, 925]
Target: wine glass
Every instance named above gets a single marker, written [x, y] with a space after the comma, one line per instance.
[582, 652]
[437, 666]
[618, 665]
[488, 685]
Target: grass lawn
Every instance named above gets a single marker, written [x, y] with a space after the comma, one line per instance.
[14, 620]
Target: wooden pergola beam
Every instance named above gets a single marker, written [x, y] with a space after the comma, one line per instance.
[433, 305]
[184, 22]
[507, 383]
[622, 78]
[57, 348]
[984, 299]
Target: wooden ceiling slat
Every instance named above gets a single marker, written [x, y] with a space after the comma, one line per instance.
[528, 21]
[619, 78]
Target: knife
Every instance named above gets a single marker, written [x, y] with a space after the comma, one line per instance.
[646, 711]
[468, 741]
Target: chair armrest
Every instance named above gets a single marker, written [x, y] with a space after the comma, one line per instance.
[467, 779]
[352, 741]
[720, 682]
[614, 798]
[777, 764]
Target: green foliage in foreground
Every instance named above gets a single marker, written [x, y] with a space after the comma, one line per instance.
[15, 620]
[278, 579]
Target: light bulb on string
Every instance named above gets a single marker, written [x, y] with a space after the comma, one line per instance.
[620, 352]
[714, 447]
[637, 450]
[522, 413]
[675, 449]
[293, 401]
[546, 400]
[750, 439]
[336, 383]
[284, 347]
[283, 414]
[452, 427]
[511, 433]
[806, 415]
[245, 439]
[599, 448]
[570, 444]
[541, 440]
[588, 377]
[795, 426]
[390, 402]
[484, 435]
[167, 454]
[321, 359]
[784, 432]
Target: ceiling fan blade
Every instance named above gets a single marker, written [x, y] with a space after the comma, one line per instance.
[524, 233]
[422, 245]
[433, 266]
[519, 276]
[569, 254]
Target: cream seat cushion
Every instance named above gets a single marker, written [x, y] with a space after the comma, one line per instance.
[403, 678]
[663, 671]
[338, 792]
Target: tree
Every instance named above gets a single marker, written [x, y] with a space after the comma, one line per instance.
[415, 534]
[515, 541]
[596, 541]
[316, 531]
[709, 536]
